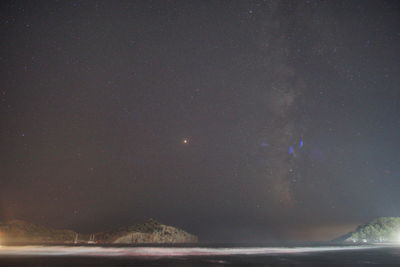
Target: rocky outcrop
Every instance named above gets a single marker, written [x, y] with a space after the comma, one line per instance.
[149, 232]
[18, 231]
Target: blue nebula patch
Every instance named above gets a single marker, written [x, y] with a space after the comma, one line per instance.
[264, 144]
[301, 144]
[290, 150]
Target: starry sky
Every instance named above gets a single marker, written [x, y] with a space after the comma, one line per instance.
[239, 121]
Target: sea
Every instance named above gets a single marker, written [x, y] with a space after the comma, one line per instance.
[305, 254]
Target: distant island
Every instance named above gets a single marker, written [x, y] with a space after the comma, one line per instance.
[380, 230]
[18, 231]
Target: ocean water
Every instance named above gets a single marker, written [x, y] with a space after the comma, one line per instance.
[323, 255]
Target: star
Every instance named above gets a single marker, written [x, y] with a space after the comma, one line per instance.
[185, 141]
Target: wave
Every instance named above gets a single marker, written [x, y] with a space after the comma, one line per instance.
[162, 251]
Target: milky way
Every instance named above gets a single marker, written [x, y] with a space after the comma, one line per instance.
[234, 120]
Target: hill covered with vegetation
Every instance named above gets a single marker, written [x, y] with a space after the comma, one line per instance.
[148, 232]
[380, 230]
[18, 231]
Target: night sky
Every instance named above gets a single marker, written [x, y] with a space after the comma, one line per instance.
[238, 121]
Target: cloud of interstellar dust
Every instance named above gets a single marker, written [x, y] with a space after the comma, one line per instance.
[283, 88]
